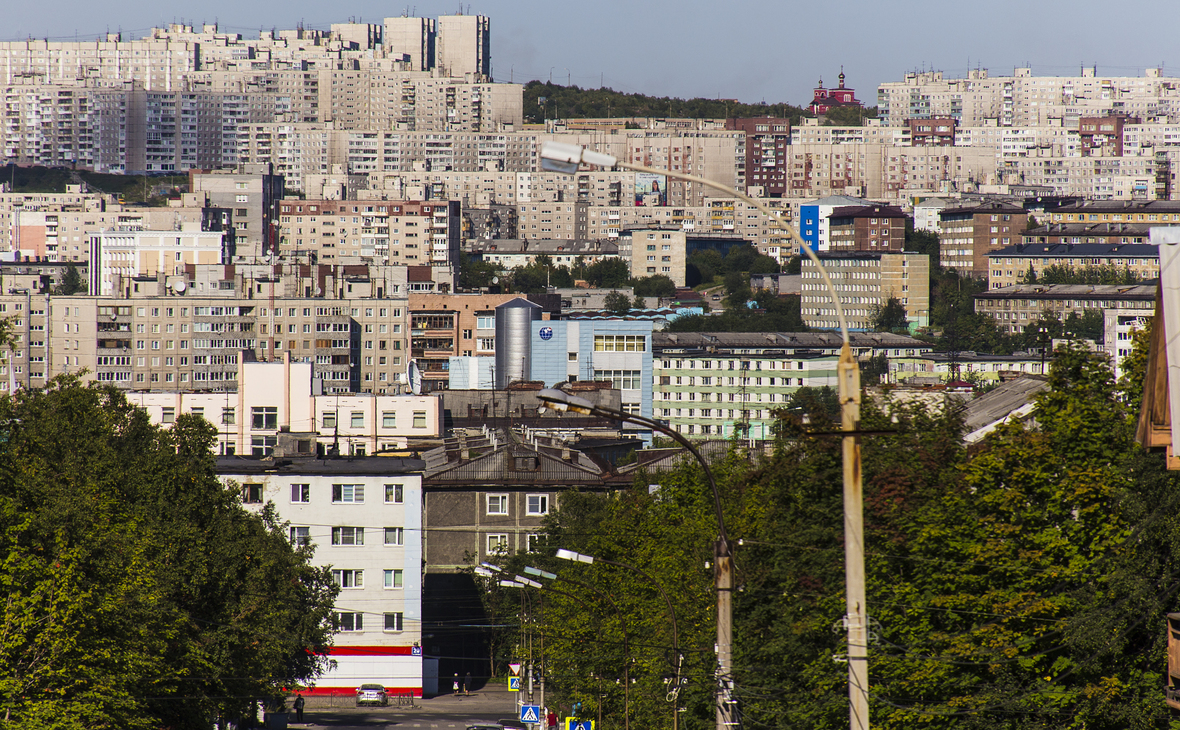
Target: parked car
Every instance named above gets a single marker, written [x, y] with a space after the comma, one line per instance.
[371, 694]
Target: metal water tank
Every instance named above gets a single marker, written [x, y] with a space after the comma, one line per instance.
[514, 347]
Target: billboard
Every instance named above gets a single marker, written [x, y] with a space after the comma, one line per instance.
[651, 189]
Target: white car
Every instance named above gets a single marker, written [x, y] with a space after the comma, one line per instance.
[371, 694]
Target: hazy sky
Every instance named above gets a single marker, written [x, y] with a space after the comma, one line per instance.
[753, 50]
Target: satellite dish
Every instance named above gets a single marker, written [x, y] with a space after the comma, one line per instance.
[495, 280]
[318, 291]
[414, 376]
[114, 317]
[180, 286]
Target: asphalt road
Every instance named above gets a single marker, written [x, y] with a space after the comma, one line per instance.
[445, 712]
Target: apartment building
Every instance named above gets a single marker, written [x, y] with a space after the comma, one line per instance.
[464, 45]
[511, 253]
[116, 257]
[1008, 266]
[866, 228]
[969, 235]
[252, 192]
[766, 159]
[729, 384]
[412, 39]
[364, 517]
[1013, 307]
[865, 281]
[666, 252]
[266, 400]
[407, 233]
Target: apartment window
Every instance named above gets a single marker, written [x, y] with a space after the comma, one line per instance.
[328, 418]
[621, 379]
[300, 536]
[497, 504]
[393, 493]
[349, 578]
[393, 621]
[262, 445]
[419, 419]
[349, 621]
[497, 543]
[228, 417]
[265, 418]
[534, 543]
[348, 536]
[301, 493]
[168, 415]
[252, 493]
[393, 578]
[485, 323]
[394, 535]
[538, 504]
[358, 419]
[389, 419]
[348, 493]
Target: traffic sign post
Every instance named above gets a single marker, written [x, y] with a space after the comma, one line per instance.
[530, 714]
[573, 723]
[514, 684]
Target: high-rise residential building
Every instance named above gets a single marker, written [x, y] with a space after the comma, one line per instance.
[464, 46]
[766, 161]
[116, 257]
[969, 234]
[866, 228]
[412, 39]
[252, 192]
[865, 281]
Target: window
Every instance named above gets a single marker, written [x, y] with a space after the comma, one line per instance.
[328, 418]
[620, 343]
[347, 621]
[349, 578]
[497, 504]
[358, 419]
[252, 493]
[534, 543]
[394, 535]
[265, 418]
[394, 493]
[388, 419]
[168, 415]
[300, 536]
[348, 493]
[419, 419]
[393, 579]
[497, 543]
[485, 323]
[348, 536]
[263, 445]
[538, 504]
[393, 621]
[301, 493]
[621, 379]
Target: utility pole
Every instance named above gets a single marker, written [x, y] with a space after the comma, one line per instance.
[854, 548]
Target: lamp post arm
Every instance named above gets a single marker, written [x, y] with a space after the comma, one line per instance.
[654, 425]
[765, 210]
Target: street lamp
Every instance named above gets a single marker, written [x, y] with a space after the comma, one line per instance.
[567, 158]
[529, 570]
[674, 693]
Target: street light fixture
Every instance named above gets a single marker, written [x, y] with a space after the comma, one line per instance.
[567, 158]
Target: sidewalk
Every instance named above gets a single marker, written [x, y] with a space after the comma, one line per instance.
[492, 698]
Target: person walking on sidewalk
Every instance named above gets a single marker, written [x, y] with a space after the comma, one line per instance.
[467, 684]
[456, 684]
[299, 708]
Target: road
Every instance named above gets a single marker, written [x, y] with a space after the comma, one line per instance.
[444, 712]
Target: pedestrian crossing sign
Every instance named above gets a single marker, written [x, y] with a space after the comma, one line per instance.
[573, 723]
[530, 713]
[514, 684]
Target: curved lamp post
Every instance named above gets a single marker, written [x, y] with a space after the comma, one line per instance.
[567, 159]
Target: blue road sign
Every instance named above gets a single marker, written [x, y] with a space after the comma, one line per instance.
[530, 713]
[573, 723]
[514, 684]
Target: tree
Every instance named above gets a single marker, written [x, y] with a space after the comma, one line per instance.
[794, 265]
[654, 286]
[889, 317]
[704, 266]
[737, 289]
[71, 282]
[924, 242]
[639, 303]
[140, 592]
[475, 273]
[617, 303]
[1134, 367]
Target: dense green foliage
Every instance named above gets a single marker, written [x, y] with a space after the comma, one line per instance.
[140, 593]
[71, 282]
[133, 188]
[889, 317]
[1018, 584]
[770, 313]
[1096, 274]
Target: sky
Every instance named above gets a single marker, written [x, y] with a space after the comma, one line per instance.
[751, 50]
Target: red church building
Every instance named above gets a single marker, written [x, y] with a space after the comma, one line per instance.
[824, 99]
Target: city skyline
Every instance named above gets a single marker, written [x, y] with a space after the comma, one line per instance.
[656, 48]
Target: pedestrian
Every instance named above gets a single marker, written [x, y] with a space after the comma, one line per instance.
[551, 720]
[467, 684]
[456, 685]
[299, 708]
